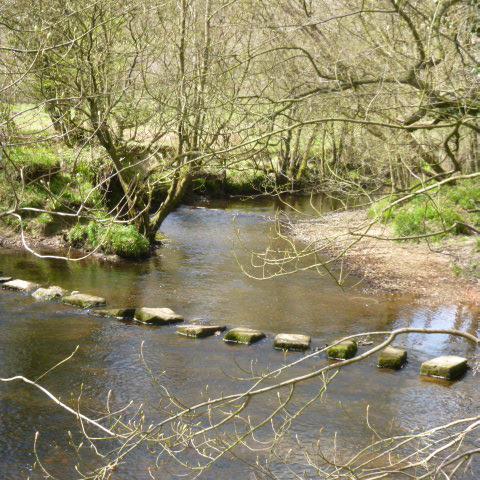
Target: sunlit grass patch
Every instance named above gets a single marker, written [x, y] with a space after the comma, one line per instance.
[446, 210]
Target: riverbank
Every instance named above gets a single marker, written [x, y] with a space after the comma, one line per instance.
[44, 244]
[443, 271]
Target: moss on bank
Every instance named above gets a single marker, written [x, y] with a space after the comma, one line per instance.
[122, 240]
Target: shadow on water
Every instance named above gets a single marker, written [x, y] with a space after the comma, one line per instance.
[196, 274]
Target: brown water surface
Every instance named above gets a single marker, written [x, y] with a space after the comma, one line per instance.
[198, 275]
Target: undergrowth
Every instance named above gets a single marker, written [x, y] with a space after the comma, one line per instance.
[448, 210]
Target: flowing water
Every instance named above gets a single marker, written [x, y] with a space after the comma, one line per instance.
[198, 275]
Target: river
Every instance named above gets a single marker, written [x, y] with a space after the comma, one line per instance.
[197, 274]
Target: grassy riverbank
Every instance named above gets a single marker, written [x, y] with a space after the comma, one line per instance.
[63, 181]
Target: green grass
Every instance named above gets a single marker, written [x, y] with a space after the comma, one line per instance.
[32, 119]
[441, 209]
[34, 162]
[122, 240]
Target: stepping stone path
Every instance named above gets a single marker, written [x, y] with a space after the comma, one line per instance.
[21, 285]
[84, 301]
[290, 341]
[343, 350]
[159, 316]
[199, 331]
[123, 313]
[392, 357]
[243, 335]
[50, 293]
[449, 367]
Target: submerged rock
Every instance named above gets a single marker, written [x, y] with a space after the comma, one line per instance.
[84, 301]
[46, 294]
[449, 367]
[5, 279]
[157, 316]
[199, 331]
[123, 313]
[343, 350]
[243, 335]
[392, 357]
[291, 341]
[21, 285]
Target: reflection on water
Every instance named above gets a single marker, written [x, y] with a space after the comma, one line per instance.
[197, 275]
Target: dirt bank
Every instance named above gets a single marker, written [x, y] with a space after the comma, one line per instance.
[445, 270]
[46, 245]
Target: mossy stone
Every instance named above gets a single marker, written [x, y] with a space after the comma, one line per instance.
[243, 335]
[158, 316]
[84, 301]
[343, 350]
[199, 331]
[392, 357]
[449, 367]
[291, 341]
[123, 313]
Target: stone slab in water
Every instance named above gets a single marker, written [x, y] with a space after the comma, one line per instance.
[392, 357]
[159, 316]
[5, 279]
[243, 335]
[123, 313]
[50, 293]
[292, 341]
[343, 350]
[199, 331]
[84, 301]
[449, 367]
[21, 285]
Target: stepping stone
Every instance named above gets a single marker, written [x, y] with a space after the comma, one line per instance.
[199, 331]
[5, 279]
[291, 341]
[343, 350]
[21, 285]
[243, 335]
[449, 367]
[160, 316]
[46, 294]
[84, 301]
[123, 313]
[392, 357]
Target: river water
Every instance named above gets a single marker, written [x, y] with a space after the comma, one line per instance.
[198, 275]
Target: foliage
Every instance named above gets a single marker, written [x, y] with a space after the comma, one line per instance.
[122, 240]
[450, 207]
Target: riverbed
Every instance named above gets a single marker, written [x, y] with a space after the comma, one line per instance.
[197, 273]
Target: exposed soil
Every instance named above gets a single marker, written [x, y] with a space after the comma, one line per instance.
[46, 245]
[445, 270]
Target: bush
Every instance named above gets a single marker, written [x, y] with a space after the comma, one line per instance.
[122, 240]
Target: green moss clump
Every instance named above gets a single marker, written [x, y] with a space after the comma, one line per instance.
[122, 240]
